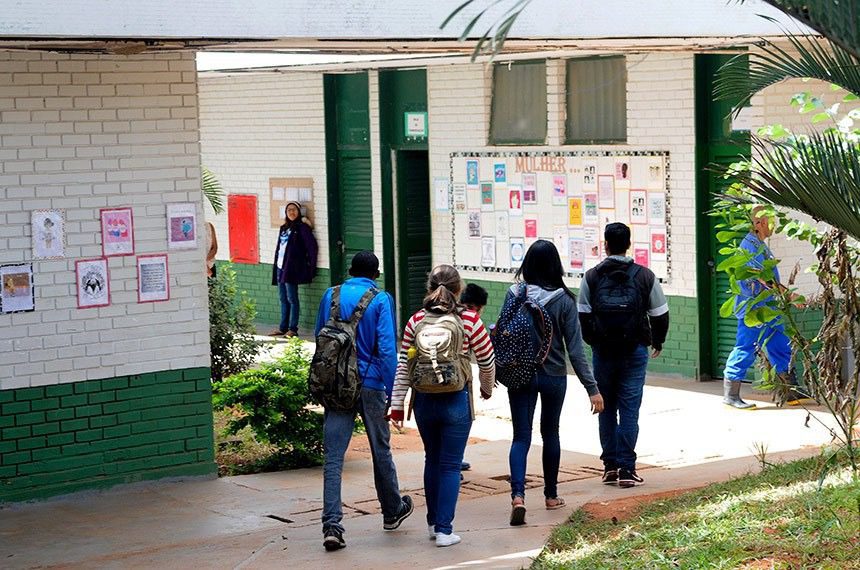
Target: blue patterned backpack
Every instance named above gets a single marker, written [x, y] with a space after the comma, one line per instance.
[521, 340]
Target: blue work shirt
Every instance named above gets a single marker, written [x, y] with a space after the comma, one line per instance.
[376, 334]
[752, 287]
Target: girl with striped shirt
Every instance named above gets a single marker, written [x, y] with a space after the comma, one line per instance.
[444, 419]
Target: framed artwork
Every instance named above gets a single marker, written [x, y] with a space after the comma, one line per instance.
[182, 226]
[93, 282]
[638, 207]
[49, 234]
[117, 231]
[153, 278]
[17, 293]
[471, 173]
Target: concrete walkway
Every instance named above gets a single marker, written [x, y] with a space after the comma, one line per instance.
[687, 439]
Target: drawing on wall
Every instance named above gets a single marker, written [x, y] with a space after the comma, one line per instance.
[559, 189]
[117, 231]
[531, 226]
[518, 251]
[589, 176]
[153, 278]
[592, 243]
[515, 200]
[529, 180]
[474, 224]
[487, 196]
[459, 197]
[93, 283]
[182, 226]
[638, 208]
[574, 214]
[17, 294]
[622, 171]
[658, 243]
[488, 252]
[471, 173]
[577, 253]
[606, 191]
[48, 229]
[503, 227]
[500, 173]
[640, 254]
[657, 208]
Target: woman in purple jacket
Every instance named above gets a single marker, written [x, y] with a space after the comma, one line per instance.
[295, 263]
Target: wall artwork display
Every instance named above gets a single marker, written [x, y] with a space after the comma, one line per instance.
[487, 196]
[658, 243]
[182, 226]
[488, 252]
[592, 243]
[641, 254]
[472, 173]
[153, 278]
[93, 283]
[503, 227]
[17, 292]
[591, 214]
[574, 212]
[589, 176]
[638, 207]
[529, 180]
[559, 189]
[657, 208]
[515, 200]
[500, 173]
[622, 172]
[606, 191]
[559, 238]
[117, 231]
[475, 224]
[459, 198]
[531, 228]
[518, 251]
[577, 254]
[48, 229]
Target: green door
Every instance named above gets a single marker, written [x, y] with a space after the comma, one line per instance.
[413, 221]
[717, 146]
[348, 169]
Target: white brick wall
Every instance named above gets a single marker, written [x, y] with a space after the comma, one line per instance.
[259, 126]
[81, 133]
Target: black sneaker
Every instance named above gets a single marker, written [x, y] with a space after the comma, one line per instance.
[610, 476]
[628, 478]
[405, 510]
[333, 540]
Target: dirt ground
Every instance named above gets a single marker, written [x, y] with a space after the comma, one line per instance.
[626, 508]
[401, 441]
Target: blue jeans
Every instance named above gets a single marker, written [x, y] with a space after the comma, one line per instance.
[769, 336]
[551, 390]
[444, 422]
[337, 432]
[289, 294]
[621, 380]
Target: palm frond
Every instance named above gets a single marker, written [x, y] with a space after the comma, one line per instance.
[818, 175]
[212, 189]
[493, 38]
[745, 75]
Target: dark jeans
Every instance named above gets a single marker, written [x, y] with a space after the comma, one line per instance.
[289, 294]
[444, 422]
[551, 390]
[621, 380]
[337, 432]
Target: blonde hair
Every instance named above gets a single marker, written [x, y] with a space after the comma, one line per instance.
[443, 290]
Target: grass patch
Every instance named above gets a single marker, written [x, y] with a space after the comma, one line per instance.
[775, 519]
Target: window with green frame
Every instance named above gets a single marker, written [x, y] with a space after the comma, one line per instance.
[596, 100]
[518, 114]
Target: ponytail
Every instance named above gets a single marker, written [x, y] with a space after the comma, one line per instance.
[443, 287]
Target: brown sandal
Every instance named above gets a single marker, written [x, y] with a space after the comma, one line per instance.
[557, 504]
[518, 512]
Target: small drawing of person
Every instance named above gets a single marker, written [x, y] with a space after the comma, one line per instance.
[185, 226]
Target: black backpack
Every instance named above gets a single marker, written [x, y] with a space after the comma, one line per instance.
[617, 307]
[334, 380]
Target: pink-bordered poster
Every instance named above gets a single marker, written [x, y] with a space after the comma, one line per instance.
[92, 279]
[117, 231]
[153, 278]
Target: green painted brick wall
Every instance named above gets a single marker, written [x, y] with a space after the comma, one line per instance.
[98, 433]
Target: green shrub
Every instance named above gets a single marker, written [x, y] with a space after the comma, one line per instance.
[231, 325]
[272, 401]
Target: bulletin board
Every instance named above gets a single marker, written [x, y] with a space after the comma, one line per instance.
[501, 203]
[282, 191]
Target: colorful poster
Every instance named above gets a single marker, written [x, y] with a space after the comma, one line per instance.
[472, 173]
[529, 188]
[638, 211]
[589, 175]
[559, 189]
[153, 278]
[559, 238]
[515, 200]
[591, 215]
[658, 243]
[518, 251]
[181, 226]
[17, 293]
[622, 171]
[474, 222]
[48, 229]
[500, 175]
[606, 191]
[487, 196]
[657, 208]
[574, 212]
[93, 283]
[503, 226]
[640, 254]
[117, 231]
[488, 252]
[531, 228]
[577, 254]
[459, 198]
[592, 243]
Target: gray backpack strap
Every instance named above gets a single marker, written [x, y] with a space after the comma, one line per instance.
[362, 305]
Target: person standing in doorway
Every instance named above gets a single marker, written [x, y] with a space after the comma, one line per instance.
[295, 264]
[623, 311]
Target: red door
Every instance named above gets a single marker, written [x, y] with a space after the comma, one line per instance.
[242, 222]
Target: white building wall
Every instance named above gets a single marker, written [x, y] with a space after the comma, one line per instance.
[84, 132]
[259, 126]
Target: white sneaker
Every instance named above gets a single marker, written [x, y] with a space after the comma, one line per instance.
[447, 539]
[431, 531]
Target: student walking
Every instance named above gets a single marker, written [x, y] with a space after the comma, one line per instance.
[434, 362]
[623, 311]
[358, 319]
[540, 281]
[295, 264]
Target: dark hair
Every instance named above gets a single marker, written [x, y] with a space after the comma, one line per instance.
[474, 296]
[288, 223]
[443, 285]
[365, 264]
[617, 236]
[542, 267]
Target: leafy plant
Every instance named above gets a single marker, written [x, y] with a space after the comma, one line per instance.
[273, 402]
[231, 325]
[212, 189]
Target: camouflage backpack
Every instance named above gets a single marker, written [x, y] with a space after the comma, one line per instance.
[439, 364]
[334, 380]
